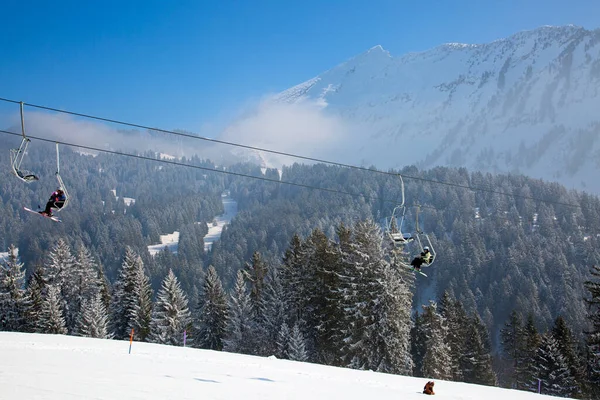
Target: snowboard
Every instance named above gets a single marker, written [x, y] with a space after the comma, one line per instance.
[53, 218]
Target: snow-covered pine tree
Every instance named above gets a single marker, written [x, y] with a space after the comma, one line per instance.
[477, 360]
[395, 324]
[51, 318]
[131, 305]
[141, 312]
[171, 315]
[512, 346]
[297, 348]
[256, 272]
[273, 313]
[376, 304]
[13, 297]
[283, 341]
[84, 283]
[104, 287]
[60, 271]
[436, 361]
[417, 344]
[293, 278]
[550, 367]
[212, 313]
[593, 336]
[94, 319]
[567, 347]
[36, 292]
[457, 321]
[531, 342]
[313, 303]
[240, 326]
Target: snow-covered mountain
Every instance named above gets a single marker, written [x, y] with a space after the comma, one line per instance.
[526, 104]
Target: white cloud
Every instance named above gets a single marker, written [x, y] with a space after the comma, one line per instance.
[304, 128]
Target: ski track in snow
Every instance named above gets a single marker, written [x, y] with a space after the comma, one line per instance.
[53, 367]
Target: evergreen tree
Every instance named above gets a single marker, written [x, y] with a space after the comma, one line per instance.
[141, 312]
[297, 348]
[593, 336]
[531, 342]
[211, 323]
[567, 348]
[549, 367]
[36, 292]
[94, 320]
[240, 327]
[131, 302]
[283, 341]
[512, 344]
[13, 298]
[171, 315]
[417, 344]
[83, 283]
[59, 271]
[51, 318]
[256, 273]
[273, 313]
[436, 361]
[457, 321]
[477, 359]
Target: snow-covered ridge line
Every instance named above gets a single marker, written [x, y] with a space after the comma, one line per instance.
[525, 104]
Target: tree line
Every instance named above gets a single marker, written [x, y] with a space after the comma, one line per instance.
[338, 302]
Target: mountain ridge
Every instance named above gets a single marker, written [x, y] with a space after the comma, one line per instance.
[523, 104]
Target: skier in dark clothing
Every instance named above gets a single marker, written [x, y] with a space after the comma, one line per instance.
[57, 200]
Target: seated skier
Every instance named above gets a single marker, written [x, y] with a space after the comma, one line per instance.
[426, 255]
[418, 261]
[57, 200]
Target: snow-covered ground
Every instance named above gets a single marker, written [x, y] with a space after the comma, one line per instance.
[170, 241]
[214, 229]
[49, 367]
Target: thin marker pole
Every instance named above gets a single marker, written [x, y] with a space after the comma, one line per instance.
[130, 340]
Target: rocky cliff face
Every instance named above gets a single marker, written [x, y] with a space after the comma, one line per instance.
[526, 104]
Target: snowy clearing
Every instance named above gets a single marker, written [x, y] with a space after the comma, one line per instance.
[53, 367]
[170, 241]
[215, 229]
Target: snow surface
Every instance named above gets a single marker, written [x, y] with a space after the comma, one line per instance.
[169, 241]
[216, 228]
[53, 367]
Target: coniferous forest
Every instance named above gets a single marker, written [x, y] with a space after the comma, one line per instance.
[305, 274]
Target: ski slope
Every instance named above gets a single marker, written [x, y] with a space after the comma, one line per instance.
[53, 367]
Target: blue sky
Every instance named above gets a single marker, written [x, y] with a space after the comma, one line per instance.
[188, 64]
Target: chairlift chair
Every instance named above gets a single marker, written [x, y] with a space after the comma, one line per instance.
[17, 155]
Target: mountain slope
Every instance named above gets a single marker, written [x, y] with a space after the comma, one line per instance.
[49, 367]
[525, 104]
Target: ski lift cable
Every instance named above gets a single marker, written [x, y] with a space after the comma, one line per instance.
[202, 168]
[215, 170]
[197, 137]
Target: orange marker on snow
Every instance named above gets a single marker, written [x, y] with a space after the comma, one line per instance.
[130, 340]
